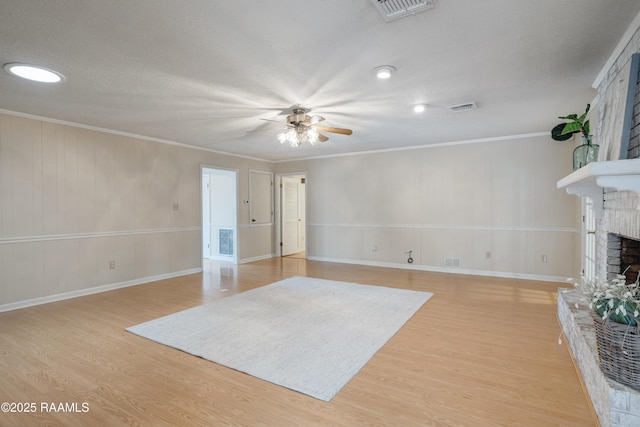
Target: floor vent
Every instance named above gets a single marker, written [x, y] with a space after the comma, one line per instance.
[396, 9]
[225, 241]
[452, 262]
[463, 107]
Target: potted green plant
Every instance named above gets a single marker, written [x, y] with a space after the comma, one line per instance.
[585, 153]
[615, 306]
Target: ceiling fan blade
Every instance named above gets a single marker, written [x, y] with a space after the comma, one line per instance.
[334, 130]
[262, 130]
[322, 138]
[289, 125]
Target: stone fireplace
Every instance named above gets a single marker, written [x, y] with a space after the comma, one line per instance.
[614, 188]
[617, 250]
[617, 247]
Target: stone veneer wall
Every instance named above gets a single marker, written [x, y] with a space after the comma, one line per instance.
[616, 405]
[622, 208]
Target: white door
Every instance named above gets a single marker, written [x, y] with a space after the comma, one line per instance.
[261, 197]
[292, 215]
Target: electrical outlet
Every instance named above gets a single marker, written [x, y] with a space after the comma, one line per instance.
[545, 259]
[112, 265]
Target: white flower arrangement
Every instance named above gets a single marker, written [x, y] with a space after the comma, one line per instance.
[614, 298]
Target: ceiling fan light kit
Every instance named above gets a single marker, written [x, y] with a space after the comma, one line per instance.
[296, 137]
[303, 128]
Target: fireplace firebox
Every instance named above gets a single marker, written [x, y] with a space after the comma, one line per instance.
[623, 257]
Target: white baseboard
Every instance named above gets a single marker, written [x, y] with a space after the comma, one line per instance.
[95, 290]
[258, 258]
[98, 289]
[508, 275]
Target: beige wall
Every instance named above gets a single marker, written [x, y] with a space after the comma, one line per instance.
[458, 201]
[72, 200]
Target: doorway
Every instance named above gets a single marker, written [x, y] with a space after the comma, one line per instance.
[219, 214]
[291, 226]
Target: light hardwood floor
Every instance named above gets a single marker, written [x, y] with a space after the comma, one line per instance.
[482, 352]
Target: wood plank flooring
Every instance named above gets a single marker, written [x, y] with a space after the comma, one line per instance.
[481, 352]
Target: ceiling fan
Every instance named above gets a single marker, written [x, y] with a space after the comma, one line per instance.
[304, 128]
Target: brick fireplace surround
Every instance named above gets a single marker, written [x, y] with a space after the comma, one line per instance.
[615, 405]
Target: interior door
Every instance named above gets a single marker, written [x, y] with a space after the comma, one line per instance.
[261, 196]
[292, 216]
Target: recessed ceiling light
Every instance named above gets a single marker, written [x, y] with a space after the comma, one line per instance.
[33, 72]
[419, 108]
[384, 71]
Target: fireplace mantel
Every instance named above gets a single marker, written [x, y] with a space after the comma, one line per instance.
[591, 180]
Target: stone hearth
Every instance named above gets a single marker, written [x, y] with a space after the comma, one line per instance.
[615, 404]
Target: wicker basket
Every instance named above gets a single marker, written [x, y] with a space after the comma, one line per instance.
[619, 351]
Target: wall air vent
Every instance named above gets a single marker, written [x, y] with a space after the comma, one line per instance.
[452, 262]
[396, 9]
[225, 241]
[463, 107]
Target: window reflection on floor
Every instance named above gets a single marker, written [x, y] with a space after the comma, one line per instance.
[219, 276]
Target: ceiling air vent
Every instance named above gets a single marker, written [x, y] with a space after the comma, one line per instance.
[463, 107]
[396, 9]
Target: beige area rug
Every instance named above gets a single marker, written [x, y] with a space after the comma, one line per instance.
[309, 335]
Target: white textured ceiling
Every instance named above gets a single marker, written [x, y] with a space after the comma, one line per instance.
[203, 72]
